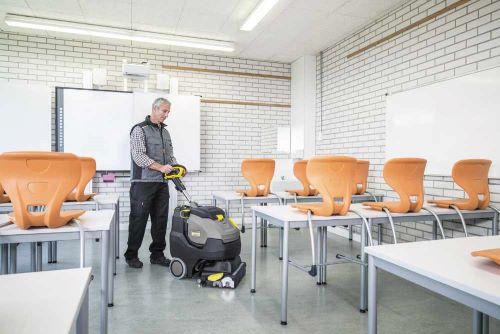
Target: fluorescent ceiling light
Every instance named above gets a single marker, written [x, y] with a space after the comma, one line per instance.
[258, 14]
[116, 33]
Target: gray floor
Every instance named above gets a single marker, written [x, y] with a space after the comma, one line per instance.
[149, 300]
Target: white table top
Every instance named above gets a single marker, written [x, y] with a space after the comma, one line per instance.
[449, 262]
[289, 214]
[99, 199]
[233, 196]
[42, 302]
[90, 220]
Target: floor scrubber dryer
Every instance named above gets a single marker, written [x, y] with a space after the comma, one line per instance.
[204, 242]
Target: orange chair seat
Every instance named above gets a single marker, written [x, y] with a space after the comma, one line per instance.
[37, 218]
[391, 206]
[492, 254]
[80, 198]
[299, 192]
[4, 198]
[462, 204]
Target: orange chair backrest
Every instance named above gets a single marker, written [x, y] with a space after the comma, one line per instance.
[4, 198]
[88, 167]
[333, 177]
[472, 176]
[259, 173]
[39, 179]
[406, 178]
[299, 170]
[360, 177]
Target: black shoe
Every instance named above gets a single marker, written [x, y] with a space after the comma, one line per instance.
[162, 261]
[134, 263]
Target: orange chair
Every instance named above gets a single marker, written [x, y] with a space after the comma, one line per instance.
[360, 177]
[492, 254]
[299, 170]
[406, 178]
[259, 173]
[472, 176]
[88, 167]
[40, 179]
[4, 198]
[333, 176]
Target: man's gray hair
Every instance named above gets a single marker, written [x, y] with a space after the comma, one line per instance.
[159, 101]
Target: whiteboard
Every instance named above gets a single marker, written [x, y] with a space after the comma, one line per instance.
[447, 121]
[98, 123]
[25, 117]
[183, 124]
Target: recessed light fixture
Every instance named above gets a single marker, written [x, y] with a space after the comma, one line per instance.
[258, 14]
[116, 33]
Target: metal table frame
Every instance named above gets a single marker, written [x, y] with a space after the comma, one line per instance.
[322, 246]
[481, 308]
[102, 200]
[107, 257]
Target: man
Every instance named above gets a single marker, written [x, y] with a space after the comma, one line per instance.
[152, 157]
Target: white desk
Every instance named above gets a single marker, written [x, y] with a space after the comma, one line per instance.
[48, 302]
[97, 224]
[98, 202]
[445, 267]
[287, 217]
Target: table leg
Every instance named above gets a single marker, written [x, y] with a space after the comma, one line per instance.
[5, 259]
[350, 232]
[117, 234]
[486, 324]
[284, 273]
[33, 256]
[13, 258]
[39, 249]
[114, 239]
[54, 251]
[265, 229]
[82, 322]
[319, 240]
[379, 234]
[372, 297]
[112, 265]
[363, 272]
[324, 245]
[477, 322]
[254, 252]
[434, 230]
[281, 243]
[49, 252]
[494, 229]
[104, 281]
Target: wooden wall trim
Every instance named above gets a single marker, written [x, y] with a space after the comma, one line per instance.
[246, 103]
[204, 70]
[411, 26]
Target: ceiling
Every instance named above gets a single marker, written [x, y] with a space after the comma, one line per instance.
[293, 28]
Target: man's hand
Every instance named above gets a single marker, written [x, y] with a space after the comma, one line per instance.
[166, 169]
[161, 168]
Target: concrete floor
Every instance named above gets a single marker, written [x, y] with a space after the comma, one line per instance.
[149, 300]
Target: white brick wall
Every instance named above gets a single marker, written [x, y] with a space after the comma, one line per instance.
[464, 40]
[229, 133]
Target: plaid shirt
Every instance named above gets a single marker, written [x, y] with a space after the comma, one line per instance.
[138, 148]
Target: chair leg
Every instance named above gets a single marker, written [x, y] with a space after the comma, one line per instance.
[372, 195]
[391, 221]
[494, 228]
[313, 272]
[438, 221]
[367, 226]
[461, 218]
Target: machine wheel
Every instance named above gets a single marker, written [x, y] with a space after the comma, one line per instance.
[178, 268]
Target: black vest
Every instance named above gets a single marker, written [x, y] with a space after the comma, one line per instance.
[158, 147]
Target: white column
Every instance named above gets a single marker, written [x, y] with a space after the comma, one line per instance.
[303, 110]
